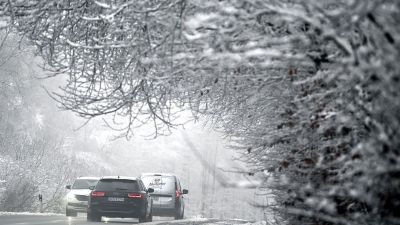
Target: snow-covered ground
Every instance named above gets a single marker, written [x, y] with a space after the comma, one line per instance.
[209, 221]
[157, 220]
[29, 214]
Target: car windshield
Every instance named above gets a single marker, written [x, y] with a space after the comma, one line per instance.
[117, 185]
[159, 182]
[84, 183]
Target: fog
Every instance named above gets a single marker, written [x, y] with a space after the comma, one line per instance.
[91, 148]
[280, 110]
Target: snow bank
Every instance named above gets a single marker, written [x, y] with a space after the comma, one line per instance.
[257, 223]
[214, 221]
[29, 214]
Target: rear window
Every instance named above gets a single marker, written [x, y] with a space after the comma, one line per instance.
[159, 182]
[84, 183]
[117, 185]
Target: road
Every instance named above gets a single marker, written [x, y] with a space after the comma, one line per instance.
[37, 219]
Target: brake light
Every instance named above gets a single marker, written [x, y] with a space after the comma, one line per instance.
[177, 194]
[97, 194]
[135, 195]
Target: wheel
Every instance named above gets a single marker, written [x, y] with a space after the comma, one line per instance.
[97, 218]
[70, 213]
[89, 217]
[142, 219]
[150, 218]
[93, 217]
[183, 213]
[179, 214]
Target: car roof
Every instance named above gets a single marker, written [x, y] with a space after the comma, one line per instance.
[118, 178]
[158, 174]
[88, 178]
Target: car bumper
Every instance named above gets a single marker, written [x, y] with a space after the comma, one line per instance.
[163, 211]
[123, 212]
[77, 206]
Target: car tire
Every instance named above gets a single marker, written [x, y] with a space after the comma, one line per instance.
[97, 218]
[93, 217]
[142, 219]
[89, 217]
[70, 213]
[150, 218]
[179, 214]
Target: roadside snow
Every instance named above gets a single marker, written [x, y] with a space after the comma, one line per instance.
[257, 223]
[209, 221]
[193, 221]
[29, 214]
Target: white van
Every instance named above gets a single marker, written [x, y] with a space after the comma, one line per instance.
[167, 196]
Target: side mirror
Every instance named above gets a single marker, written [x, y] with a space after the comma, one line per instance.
[150, 190]
[91, 188]
[185, 191]
[68, 187]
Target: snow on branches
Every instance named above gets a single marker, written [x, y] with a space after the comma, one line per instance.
[309, 89]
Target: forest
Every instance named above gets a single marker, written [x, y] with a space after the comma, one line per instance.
[306, 92]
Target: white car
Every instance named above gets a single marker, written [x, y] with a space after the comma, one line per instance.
[78, 196]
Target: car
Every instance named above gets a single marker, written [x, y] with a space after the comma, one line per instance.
[168, 196]
[123, 197]
[78, 196]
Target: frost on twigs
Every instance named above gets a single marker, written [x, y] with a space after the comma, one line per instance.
[310, 98]
[117, 57]
[308, 89]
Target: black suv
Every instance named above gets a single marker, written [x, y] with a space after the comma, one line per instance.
[122, 197]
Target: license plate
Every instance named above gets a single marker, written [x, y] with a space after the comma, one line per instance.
[155, 198]
[115, 199]
[165, 199]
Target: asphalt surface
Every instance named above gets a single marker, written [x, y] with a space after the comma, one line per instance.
[81, 220]
[55, 219]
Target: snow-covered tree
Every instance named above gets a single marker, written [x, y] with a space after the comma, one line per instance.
[117, 55]
[308, 89]
[33, 156]
[327, 136]
[332, 143]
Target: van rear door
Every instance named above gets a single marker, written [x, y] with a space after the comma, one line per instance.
[164, 190]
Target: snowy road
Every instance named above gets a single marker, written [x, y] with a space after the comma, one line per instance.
[37, 219]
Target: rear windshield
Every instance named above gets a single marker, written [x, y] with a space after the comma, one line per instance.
[166, 183]
[84, 183]
[117, 185]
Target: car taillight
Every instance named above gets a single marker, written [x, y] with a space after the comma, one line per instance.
[135, 195]
[177, 194]
[97, 194]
